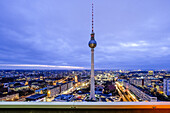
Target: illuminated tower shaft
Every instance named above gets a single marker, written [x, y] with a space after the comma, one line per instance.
[92, 45]
[92, 86]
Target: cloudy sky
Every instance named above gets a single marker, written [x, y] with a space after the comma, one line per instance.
[131, 34]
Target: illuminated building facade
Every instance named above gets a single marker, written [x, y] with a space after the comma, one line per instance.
[150, 72]
[76, 78]
[166, 86]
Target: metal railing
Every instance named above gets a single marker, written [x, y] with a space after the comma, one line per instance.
[87, 105]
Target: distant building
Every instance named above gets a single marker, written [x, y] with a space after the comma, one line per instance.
[36, 97]
[147, 82]
[9, 97]
[63, 87]
[137, 82]
[143, 81]
[102, 78]
[166, 86]
[76, 78]
[150, 72]
[55, 90]
[69, 85]
[40, 91]
[139, 93]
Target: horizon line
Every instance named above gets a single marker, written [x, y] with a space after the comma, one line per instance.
[55, 67]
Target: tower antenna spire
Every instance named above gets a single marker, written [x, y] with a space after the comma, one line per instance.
[92, 18]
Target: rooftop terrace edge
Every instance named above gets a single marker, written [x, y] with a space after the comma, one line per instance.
[87, 105]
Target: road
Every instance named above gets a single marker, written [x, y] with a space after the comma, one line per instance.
[125, 93]
[120, 92]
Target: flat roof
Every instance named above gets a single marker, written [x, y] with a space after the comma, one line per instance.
[41, 89]
[36, 96]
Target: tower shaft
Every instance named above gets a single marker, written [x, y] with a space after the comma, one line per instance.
[92, 86]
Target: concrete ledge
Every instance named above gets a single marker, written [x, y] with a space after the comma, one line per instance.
[87, 105]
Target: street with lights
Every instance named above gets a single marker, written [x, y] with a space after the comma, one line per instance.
[125, 93]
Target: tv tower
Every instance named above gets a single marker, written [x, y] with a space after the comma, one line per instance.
[92, 45]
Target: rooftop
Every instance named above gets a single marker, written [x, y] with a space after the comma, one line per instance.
[36, 96]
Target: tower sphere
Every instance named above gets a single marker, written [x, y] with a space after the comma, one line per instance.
[92, 43]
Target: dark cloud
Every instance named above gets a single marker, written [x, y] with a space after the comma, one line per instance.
[130, 34]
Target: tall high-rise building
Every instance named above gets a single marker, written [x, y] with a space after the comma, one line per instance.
[76, 78]
[166, 86]
[92, 45]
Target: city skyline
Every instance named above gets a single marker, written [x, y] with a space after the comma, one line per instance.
[131, 34]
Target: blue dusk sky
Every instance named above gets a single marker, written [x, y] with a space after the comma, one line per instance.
[130, 34]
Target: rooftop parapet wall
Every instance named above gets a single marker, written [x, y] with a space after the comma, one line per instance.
[87, 105]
